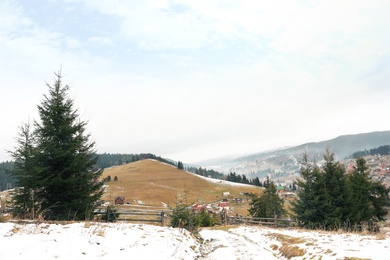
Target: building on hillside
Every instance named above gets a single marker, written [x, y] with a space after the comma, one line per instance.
[237, 200]
[120, 200]
[224, 205]
[198, 208]
[226, 194]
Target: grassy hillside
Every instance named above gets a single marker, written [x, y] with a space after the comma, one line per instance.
[152, 183]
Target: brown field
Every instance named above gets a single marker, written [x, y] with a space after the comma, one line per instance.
[150, 183]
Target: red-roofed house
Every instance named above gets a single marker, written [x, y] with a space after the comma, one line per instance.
[224, 205]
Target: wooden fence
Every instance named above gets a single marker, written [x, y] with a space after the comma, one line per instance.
[275, 222]
[163, 217]
[145, 216]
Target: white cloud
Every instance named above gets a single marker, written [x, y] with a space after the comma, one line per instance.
[104, 41]
[184, 75]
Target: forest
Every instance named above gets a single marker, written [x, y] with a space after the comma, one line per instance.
[381, 150]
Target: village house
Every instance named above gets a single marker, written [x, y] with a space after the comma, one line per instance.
[226, 194]
[237, 200]
[120, 200]
[198, 208]
[224, 205]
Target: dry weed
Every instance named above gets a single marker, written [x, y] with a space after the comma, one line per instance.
[87, 224]
[381, 236]
[99, 231]
[15, 229]
[289, 251]
[288, 248]
[4, 218]
[287, 239]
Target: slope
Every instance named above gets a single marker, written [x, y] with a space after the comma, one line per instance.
[287, 160]
[152, 183]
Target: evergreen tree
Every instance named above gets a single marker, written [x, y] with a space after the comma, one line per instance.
[66, 186]
[333, 192]
[180, 165]
[24, 171]
[267, 205]
[367, 199]
[308, 208]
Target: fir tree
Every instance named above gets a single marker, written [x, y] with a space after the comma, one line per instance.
[66, 186]
[367, 199]
[24, 171]
[307, 208]
[180, 165]
[267, 205]
[333, 192]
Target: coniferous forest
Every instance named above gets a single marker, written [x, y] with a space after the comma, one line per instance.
[330, 198]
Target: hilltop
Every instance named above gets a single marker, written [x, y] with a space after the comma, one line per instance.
[150, 183]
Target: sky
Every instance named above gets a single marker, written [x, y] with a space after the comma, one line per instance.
[197, 80]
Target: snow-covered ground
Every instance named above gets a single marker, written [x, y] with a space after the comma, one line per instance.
[89, 240]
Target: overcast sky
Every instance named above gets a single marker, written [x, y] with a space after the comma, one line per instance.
[194, 80]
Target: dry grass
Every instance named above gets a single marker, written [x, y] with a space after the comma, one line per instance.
[381, 236]
[222, 227]
[153, 183]
[4, 218]
[290, 251]
[286, 239]
[288, 248]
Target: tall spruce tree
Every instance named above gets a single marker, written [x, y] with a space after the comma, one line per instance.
[267, 205]
[308, 207]
[66, 186]
[367, 199]
[333, 192]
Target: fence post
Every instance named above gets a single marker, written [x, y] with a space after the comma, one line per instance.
[162, 218]
[225, 216]
[275, 220]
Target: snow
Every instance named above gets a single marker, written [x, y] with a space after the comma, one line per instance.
[224, 182]
[94, 240]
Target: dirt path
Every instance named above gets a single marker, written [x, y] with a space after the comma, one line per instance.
[219, 244]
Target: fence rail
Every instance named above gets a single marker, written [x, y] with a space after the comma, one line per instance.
[155, 216]
[163, 217]
[276, 222]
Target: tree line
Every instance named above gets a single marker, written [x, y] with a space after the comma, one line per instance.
[232, 176]
[381, 150]
[6, 180]
[205, 172]
[106, 160]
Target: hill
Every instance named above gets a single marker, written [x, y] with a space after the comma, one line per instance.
[151, 183]
[286, 161]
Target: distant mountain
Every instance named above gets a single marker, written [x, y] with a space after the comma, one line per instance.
[283, 161]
